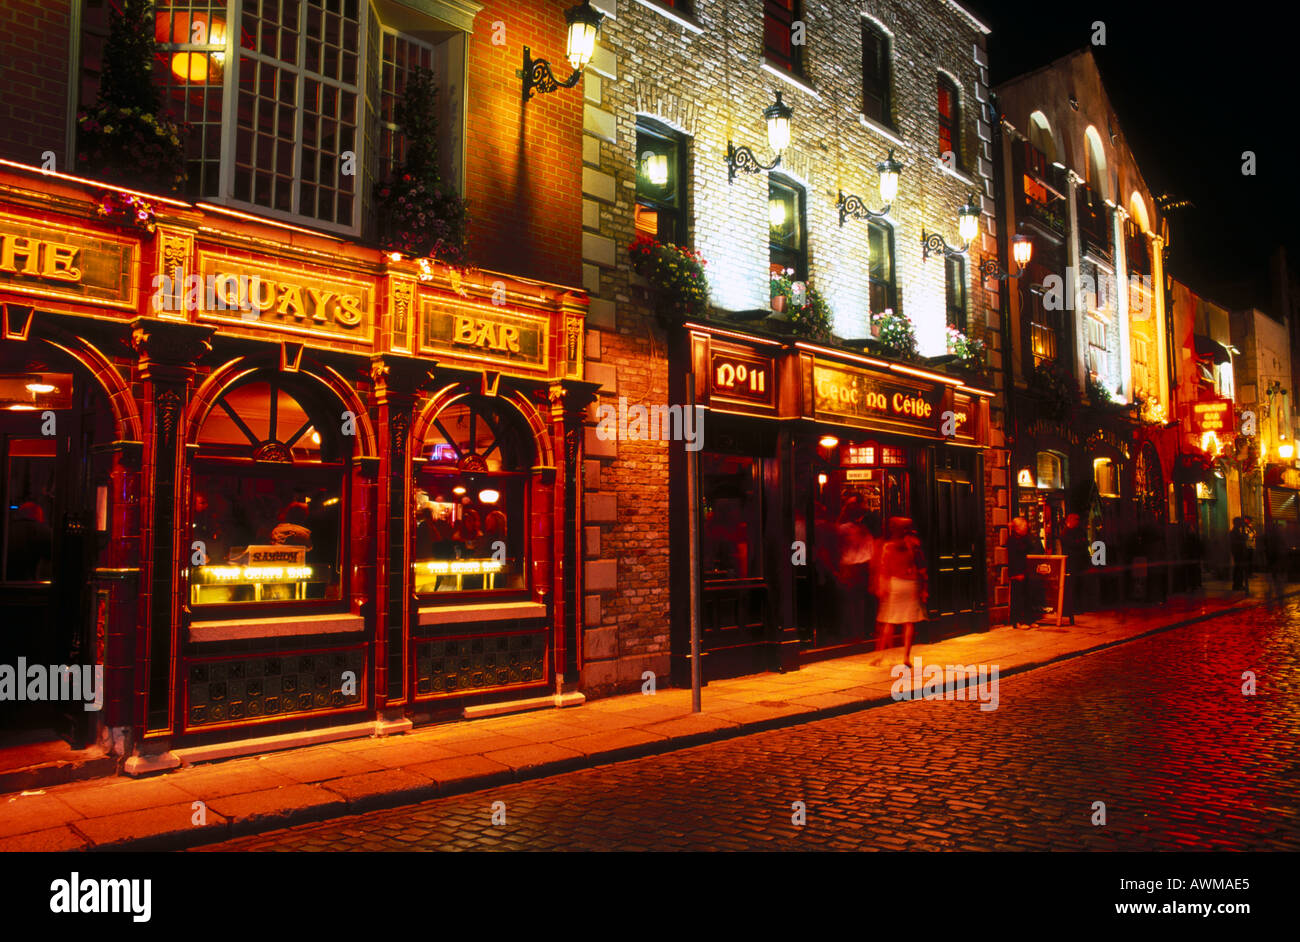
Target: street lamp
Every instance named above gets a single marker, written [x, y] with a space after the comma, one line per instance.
[742, 159]
[1022, 250]
[584, 22]
[968, 227]
[889, 169]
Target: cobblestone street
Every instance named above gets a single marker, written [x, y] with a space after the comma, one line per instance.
[1157, 729]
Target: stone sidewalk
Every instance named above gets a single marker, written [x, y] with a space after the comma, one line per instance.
[248, 795]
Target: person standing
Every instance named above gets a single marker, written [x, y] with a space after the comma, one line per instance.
[1074, 544]
[1239, 547]
[1020, 546]
[1275, 553]
[900, 584]
[1251, 544]
[853, 574]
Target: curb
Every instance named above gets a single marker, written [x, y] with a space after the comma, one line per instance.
[329, 809]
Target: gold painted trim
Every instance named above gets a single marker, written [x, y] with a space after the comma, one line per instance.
[132, 265]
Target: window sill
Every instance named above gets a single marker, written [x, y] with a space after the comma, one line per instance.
[492, 611]
[880, 129]
[240, 629]
[798, 81]
[953, 172]
[683, 20]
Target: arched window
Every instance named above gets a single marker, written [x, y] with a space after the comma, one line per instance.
[471, 501]
[1095, 168]
[949, 120]
[268, 496]
[1040, 136]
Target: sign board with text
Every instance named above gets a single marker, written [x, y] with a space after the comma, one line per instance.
[483, 332]
[1049, 573]
[1213, 415]
[56, 261]
[870, 399]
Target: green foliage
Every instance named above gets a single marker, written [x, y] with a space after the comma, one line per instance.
[420, 215]
[676, 276]
[1055, 388]
[123, 138]
[896, 333]
[805, 308]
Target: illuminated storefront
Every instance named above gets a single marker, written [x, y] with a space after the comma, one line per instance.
[806, 450]
[275, 481]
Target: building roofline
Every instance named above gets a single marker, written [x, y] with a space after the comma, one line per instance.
[974, 21]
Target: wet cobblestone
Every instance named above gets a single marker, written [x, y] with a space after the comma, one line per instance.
[1157, 729]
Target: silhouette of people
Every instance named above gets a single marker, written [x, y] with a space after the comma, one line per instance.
[31, 544]
[1020, 545]
[1239, 545]
[854, 571]
[1074, 546]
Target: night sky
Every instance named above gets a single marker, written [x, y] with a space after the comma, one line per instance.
[1193, 88]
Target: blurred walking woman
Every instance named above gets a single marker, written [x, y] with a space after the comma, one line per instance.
[900, 585]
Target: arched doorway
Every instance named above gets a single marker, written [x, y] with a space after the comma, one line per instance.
[55, 422]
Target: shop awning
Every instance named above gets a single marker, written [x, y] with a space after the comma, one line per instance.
[1209, 347]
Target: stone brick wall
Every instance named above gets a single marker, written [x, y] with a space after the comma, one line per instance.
[34, 52]
[707, 80]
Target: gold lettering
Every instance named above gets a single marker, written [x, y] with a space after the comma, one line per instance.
[486, 335]
[320, 299]
[291, 302]
[259, 300]
[15, 246]
[58, 262]
[348, 313]
[510, 339]
[463, 330]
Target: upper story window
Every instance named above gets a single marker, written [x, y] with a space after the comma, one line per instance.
[660, 183]
[779, 47]
[787, 240]
[949, 121]
[876, 68]
[880, 270]
[290, 103]
[955, 292]
[1051, 471]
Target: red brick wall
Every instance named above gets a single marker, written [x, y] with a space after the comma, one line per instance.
[523, 162]
[34, 105]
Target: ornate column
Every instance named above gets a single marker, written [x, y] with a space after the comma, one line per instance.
[568, 401]
[168, 352]
[399, 381]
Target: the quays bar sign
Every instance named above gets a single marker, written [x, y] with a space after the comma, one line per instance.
[483, 332]
[293, 300]
[61, 262]
[869, 399]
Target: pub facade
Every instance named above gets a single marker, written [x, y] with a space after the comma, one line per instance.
[281, 482]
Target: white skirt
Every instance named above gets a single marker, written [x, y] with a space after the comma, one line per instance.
[900, 604]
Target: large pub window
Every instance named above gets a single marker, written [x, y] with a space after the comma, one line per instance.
[779, 47]
[470, 502]
[876, 74]
[949, 120]
[268, 497]
[880, 269]
[787, 235]
[660, 183]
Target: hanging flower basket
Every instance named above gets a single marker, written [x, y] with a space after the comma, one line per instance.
[1054, 388]
[805, 308]
[675, 275]
[897, 334]
[127, 211]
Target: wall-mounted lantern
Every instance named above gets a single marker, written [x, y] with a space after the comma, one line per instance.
[742, 159]
[584, 22]
[889, 169]
[1022, 250]
[968, 227]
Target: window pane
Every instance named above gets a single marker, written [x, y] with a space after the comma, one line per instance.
[470, 533]
[731, 517]
[268, 535]
[29, 490]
